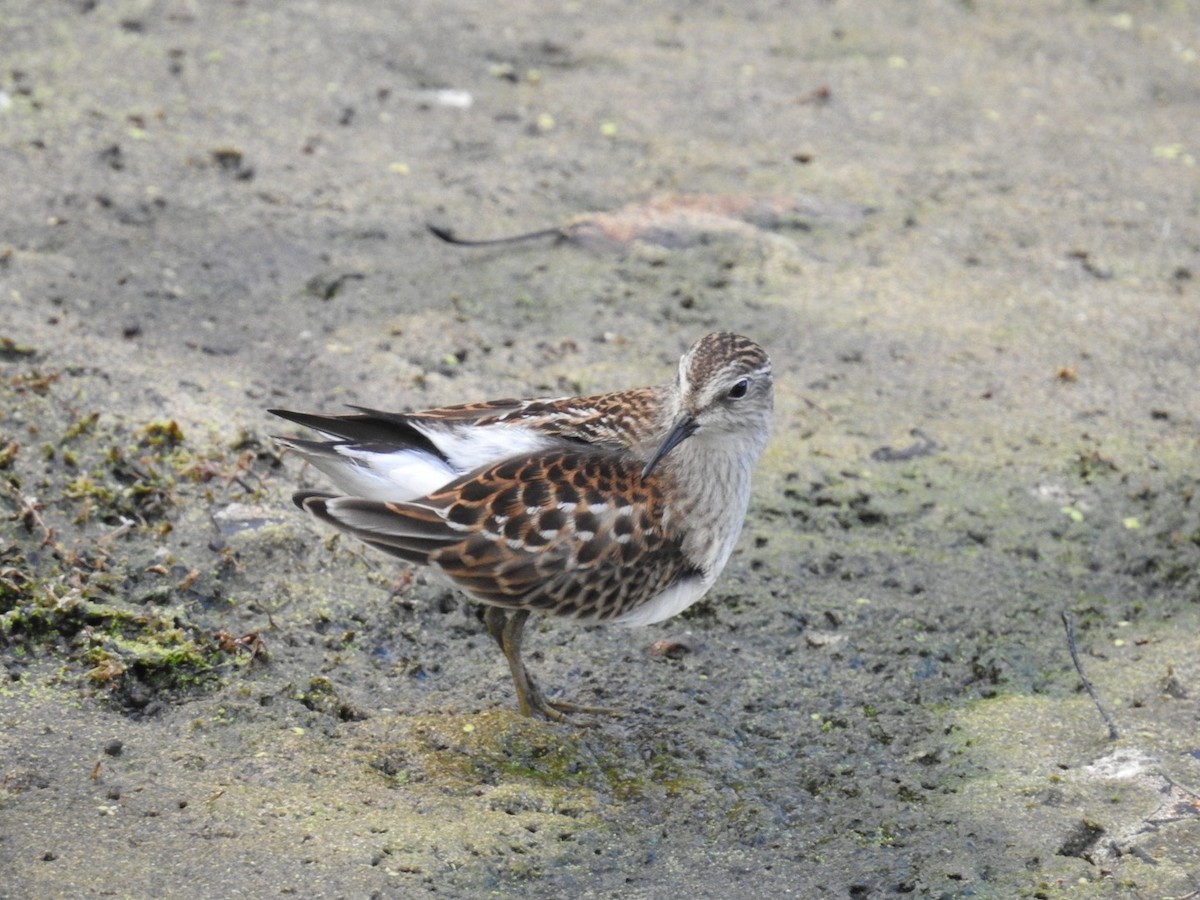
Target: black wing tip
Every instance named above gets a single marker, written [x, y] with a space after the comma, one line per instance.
[291, 415]
[307, 419]
[366, 426]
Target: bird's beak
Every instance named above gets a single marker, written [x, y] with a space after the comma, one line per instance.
[684, 427]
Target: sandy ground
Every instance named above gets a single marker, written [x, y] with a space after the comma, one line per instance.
[968, 233]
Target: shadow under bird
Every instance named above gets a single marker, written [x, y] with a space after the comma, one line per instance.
[618, 508]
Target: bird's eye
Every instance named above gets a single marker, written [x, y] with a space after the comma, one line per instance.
[739, 389]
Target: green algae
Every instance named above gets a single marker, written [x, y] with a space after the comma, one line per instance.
[80, 571]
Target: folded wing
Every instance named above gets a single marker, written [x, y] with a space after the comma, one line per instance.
[576, 532]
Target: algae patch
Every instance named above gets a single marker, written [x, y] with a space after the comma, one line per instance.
[90, 570]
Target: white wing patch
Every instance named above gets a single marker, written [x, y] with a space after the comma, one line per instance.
[410, 473]
[470, 446]
[400, 475]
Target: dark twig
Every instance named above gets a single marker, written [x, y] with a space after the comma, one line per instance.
[449, 237]
[1113, 734]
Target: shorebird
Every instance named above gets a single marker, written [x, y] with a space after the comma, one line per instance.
[620, 508]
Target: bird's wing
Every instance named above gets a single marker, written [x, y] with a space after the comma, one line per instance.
[572, 532]
[387, 456]
[403, 456]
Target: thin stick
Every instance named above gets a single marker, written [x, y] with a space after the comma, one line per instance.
[1113, 734]
[449, 237]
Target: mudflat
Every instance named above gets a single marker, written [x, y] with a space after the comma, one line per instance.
[969, 236]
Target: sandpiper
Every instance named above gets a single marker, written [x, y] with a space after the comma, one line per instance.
[619, 508]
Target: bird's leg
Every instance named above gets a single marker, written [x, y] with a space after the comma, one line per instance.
[507, 629]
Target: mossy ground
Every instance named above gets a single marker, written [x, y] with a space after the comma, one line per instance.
[92, 574]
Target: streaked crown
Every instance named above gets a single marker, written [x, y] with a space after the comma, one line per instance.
[725, 380]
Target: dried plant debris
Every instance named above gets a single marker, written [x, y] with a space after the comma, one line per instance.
[681, 221]
[11, 350]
